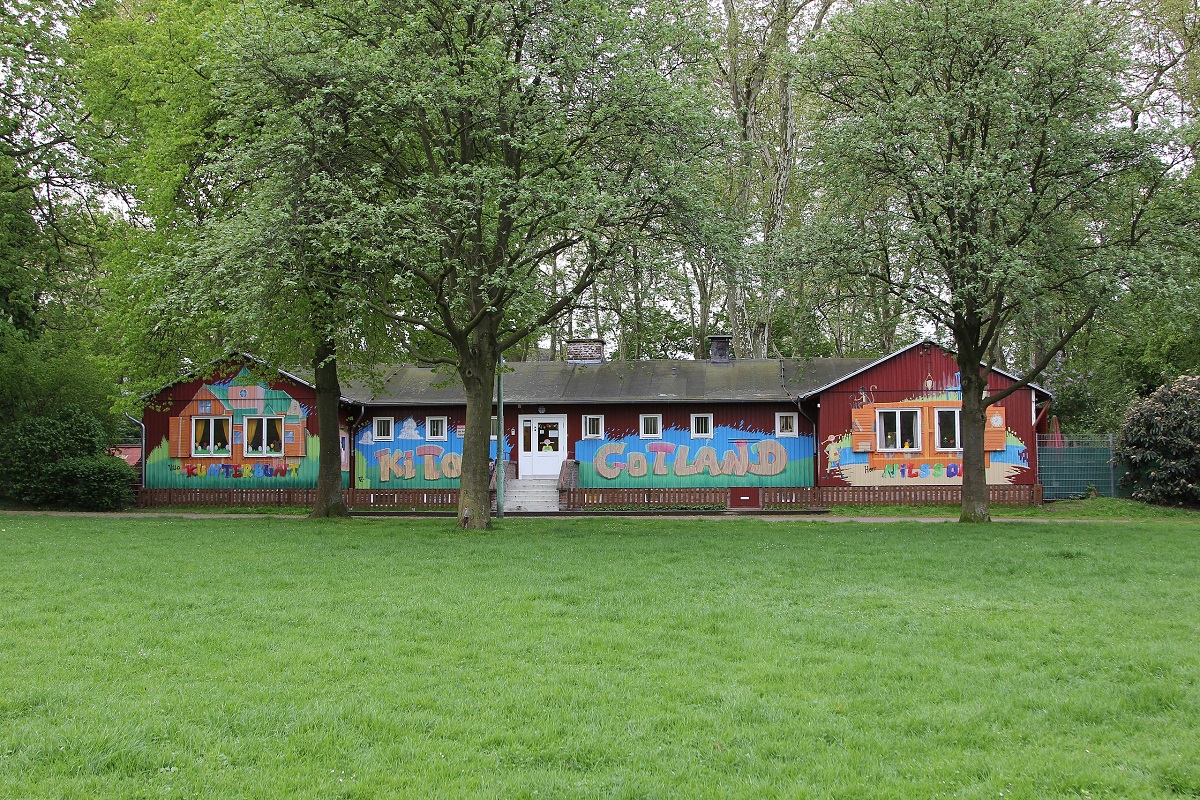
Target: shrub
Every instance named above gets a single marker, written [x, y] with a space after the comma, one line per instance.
[94, 483]
[32, 447]
[1160, 440]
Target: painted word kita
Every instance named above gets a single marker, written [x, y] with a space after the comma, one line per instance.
[238, 470]
[771, 459]
[435, 463]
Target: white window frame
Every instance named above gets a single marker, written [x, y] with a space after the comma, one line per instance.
[879, 439]
[246, 436]
[642, 426]
[937, 430]
[495, 428]
[706, 417]
[445, 434]
[586, 419]
[211, 419]
[391, 434]
[780, 433]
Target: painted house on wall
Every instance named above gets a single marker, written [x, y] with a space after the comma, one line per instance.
[232, 430]
[897, 421]
[636, 431]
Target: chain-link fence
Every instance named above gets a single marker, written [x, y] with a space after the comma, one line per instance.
[1071, 465]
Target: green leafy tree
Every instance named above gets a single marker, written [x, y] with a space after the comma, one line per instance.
[146, 83]
[761, 43]
[238, 160]
[989, 126]
[509, 140]
[561, 130]
[51, 225]
[295, 154]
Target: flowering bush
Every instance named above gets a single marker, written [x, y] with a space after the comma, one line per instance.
[1160, 441]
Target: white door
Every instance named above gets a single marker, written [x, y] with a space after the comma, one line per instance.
[542, 443]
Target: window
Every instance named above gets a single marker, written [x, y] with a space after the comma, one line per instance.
[264, 436]
[899, 429]
[702, 426]
[549, 439]
[948, 430]
[650, 426]
[383, 429]
[593, 426]
[495, 428]
[210, 436]
[785, 426]
[435, 429]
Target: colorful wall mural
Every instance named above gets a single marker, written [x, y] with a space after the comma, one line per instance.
[409, 460]
[732, 457]
[918, 440]
[236, 434]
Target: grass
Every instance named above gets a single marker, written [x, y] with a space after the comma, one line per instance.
[1097, 508]
[144, 657]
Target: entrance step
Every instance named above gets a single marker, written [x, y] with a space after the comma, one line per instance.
[531, 495]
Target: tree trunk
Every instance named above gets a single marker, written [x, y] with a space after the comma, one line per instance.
[329, 502]
[477, 368]
[974, 477]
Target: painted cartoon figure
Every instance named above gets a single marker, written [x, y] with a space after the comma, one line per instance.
[833, 454]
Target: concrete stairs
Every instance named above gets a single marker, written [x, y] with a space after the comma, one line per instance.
[531, 496]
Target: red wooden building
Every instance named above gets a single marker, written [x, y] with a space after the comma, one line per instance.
[774, 433]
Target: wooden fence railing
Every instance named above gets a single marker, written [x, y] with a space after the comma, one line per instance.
[632, 499]
[400, 499]
[574, 499]
[417, 499]
[789, 497]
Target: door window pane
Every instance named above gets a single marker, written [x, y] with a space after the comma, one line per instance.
[548, 438]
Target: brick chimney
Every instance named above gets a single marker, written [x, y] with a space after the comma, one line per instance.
[585, 351]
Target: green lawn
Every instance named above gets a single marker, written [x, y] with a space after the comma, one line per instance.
[1099, 508]
[164, 657]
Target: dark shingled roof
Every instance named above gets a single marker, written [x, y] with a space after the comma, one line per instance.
[551, 382]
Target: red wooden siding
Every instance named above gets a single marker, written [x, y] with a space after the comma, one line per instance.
[904, 378]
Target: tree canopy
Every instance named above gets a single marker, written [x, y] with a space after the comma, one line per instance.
[985, 131]
[456, 181]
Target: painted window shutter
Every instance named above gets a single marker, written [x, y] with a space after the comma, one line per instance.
[862, 434]
[180, 437]
[295, 447]
[995, 429]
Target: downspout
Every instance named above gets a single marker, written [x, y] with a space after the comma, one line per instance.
[811, 421]
[362, 413]
[141, 425]
[501, 440]
[816, 440]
